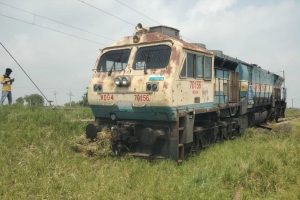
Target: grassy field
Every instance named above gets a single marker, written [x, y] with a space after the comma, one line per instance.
[37, 162]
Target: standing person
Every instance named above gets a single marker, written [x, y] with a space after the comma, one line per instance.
[6, 81]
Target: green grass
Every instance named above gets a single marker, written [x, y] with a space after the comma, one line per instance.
[291, 112]
[37, 162]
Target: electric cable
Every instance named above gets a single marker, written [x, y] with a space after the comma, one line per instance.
[26, 74]
[107, 13]
[51, 29]
[137, 11]
[56, 21]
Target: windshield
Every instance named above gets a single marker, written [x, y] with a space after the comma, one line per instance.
[113, 60]
[152, 57]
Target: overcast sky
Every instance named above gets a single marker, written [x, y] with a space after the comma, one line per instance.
[263, 32]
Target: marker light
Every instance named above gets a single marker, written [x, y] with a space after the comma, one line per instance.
[151, 86]
[154, 87]
[148, 86]
[97, 88]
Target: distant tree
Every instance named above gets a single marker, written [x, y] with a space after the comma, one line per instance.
[84, 101]
[20, 101]
[72, 104]
[34, 100]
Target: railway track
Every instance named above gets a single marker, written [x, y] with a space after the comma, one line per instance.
[270, 126]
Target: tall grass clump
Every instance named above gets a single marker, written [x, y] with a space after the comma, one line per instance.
[38, 161]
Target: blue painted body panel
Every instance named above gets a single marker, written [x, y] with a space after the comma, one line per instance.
[258, 77]
[243, 72]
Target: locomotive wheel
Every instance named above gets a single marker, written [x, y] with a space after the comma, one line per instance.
[225, 135]
[229, 131]
[91, 131]
[117, 149]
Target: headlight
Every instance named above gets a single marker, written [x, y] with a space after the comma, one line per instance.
[118, 81]
[122, 81]
[125, 81]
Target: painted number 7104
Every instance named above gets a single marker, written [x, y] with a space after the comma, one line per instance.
[106, 97]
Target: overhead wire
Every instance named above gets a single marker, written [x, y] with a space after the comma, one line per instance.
[107, 13]
[137, 11]
[47, 28]
[71, 26]
[117, 17]
[37, 87]
[51, 29]
[56, 21]
[140, 13]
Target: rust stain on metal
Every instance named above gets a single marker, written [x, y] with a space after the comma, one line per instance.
[111, 84]
[205, 93]
[165, 86]
[168, 70]
[102, 76]
[194, 47]
[140, 80]
[175, 56]
[153, 71]
[151, 37]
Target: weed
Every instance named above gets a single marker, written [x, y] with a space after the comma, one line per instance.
[38, 162]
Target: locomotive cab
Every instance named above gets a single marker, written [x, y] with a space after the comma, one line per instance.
[138, 76]
[141, 84]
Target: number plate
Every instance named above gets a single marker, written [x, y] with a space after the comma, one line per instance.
[106, 97]
[141, 98]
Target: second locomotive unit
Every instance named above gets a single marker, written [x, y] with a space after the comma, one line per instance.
[163, 97]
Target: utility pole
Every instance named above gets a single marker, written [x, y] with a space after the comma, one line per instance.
[283, 78]
[292, 103]
[70, 97]
[55, 99]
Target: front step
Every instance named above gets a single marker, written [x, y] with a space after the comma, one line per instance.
[145, 155]
[180, 140]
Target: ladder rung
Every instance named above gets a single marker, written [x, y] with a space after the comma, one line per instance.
[181, 128]
[199, 129]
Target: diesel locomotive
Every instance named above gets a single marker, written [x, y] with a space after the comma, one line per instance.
[163, 97]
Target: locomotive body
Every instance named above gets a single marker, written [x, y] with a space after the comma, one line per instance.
[164, 97]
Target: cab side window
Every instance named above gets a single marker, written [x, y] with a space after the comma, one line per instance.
[207, 67]
[199, 66]
[196, 66]
[183, 70]
[190, 65]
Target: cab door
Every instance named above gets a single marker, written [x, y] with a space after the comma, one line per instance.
[234, 88]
